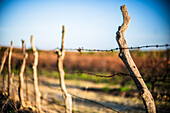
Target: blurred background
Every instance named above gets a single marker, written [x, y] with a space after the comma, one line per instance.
[90, 24]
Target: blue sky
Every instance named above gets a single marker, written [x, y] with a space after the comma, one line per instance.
[88, 23]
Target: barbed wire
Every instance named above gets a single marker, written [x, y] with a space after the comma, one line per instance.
[114, 49]
[103, 76]
[92, 101]
[115, 74]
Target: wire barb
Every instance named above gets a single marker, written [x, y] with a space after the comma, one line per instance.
[115, 49]
[104, 76]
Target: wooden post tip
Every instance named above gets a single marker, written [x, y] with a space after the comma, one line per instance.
[11, 42]
[63, 28]
[22, 41]
[32, 38]
[123, 7]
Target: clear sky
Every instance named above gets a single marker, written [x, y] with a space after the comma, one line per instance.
[88, 23]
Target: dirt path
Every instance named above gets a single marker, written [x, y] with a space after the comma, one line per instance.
[86, 101]
[50, 89]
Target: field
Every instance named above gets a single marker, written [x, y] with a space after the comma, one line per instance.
[119, 93]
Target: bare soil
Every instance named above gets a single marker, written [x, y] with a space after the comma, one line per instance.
[88, 97]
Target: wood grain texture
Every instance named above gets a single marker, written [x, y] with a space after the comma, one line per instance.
[21, 78]
[67, 97]
[34, 67]
[132, 68]
[9, 70]
[4, 59]
[2, 66]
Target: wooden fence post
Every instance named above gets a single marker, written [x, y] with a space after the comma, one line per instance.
[130, 65]
[4, 59]
[21, 79]
[67, 97]
[34, 67]
[9, 70]
[26, 79]
[2, 66]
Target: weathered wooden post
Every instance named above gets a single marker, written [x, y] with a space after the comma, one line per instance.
[130, 65]
[67, 97]
[4, 59]
[34, 67]
[26, 82]
[21, 79]
[9, 70]
[2, 66]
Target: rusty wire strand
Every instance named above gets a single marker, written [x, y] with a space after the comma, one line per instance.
[115, 49]
[92, 101]
[108, 76]
[103, 76]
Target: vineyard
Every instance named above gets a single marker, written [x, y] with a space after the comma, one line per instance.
[123, 79]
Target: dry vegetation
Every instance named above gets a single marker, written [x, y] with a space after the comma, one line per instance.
[153, 65]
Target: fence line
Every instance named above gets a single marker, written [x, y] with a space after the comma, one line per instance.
[114, 49]
[103, 76]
